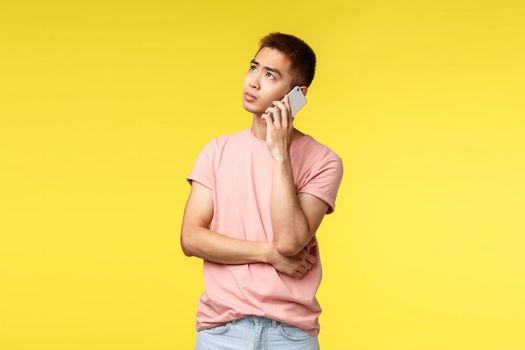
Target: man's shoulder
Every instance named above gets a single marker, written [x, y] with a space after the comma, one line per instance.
[319, 150]
[225, 137]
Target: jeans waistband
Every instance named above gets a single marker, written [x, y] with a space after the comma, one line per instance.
[257, 320]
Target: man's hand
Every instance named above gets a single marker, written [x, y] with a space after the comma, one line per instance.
[279, 129]
[296, 266]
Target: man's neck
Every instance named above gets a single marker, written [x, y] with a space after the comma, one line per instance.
[258, 128]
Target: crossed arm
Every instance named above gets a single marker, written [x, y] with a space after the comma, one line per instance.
[295, 219]
[198, 240]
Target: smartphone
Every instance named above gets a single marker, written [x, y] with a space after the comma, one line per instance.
[297, 100]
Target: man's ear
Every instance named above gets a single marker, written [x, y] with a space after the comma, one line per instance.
[304, 89]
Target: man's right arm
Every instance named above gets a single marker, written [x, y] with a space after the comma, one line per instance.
[198, 240]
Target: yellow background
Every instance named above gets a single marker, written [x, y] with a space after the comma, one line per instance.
[105, 105]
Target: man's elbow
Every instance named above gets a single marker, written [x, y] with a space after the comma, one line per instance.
[185, 244]
[294, 242]
[288, 248]
[185, 249]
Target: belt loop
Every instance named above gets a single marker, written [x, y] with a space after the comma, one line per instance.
[274, 323]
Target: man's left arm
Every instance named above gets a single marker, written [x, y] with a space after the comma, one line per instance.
[295, 217]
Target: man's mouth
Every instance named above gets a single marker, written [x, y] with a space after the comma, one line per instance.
[249, 96]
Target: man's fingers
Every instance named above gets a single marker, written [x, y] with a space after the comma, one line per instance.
[276, 112]
[268, 119]
[283, 112]
[311, 259]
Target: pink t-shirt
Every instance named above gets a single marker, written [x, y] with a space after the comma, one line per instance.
[237, 168]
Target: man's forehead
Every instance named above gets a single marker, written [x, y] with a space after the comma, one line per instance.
[273, 58]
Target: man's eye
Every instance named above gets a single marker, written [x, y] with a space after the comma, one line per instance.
[270, 74]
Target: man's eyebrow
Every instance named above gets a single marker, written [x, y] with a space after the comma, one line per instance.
[267, 68]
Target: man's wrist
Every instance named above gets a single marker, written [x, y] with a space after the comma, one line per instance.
[282, 159]
[268, 253]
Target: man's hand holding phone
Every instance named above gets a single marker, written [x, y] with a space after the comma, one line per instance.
[279, 122]
[279, 129]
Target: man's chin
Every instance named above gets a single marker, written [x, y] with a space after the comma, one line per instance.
[251, 109]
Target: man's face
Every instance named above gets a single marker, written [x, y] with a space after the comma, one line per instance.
[268, 79]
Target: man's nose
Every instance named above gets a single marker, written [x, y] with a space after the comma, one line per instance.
[254, 82]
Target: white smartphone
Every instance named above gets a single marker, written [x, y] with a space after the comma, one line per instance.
[297, 100]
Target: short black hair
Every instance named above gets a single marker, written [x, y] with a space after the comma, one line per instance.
[302, 56]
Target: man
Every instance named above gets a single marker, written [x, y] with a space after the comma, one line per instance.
[256, 201]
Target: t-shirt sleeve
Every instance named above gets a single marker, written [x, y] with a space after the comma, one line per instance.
[203, 171]
[325, 180]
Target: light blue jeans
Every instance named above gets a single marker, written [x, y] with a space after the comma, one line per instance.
[255, 333]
